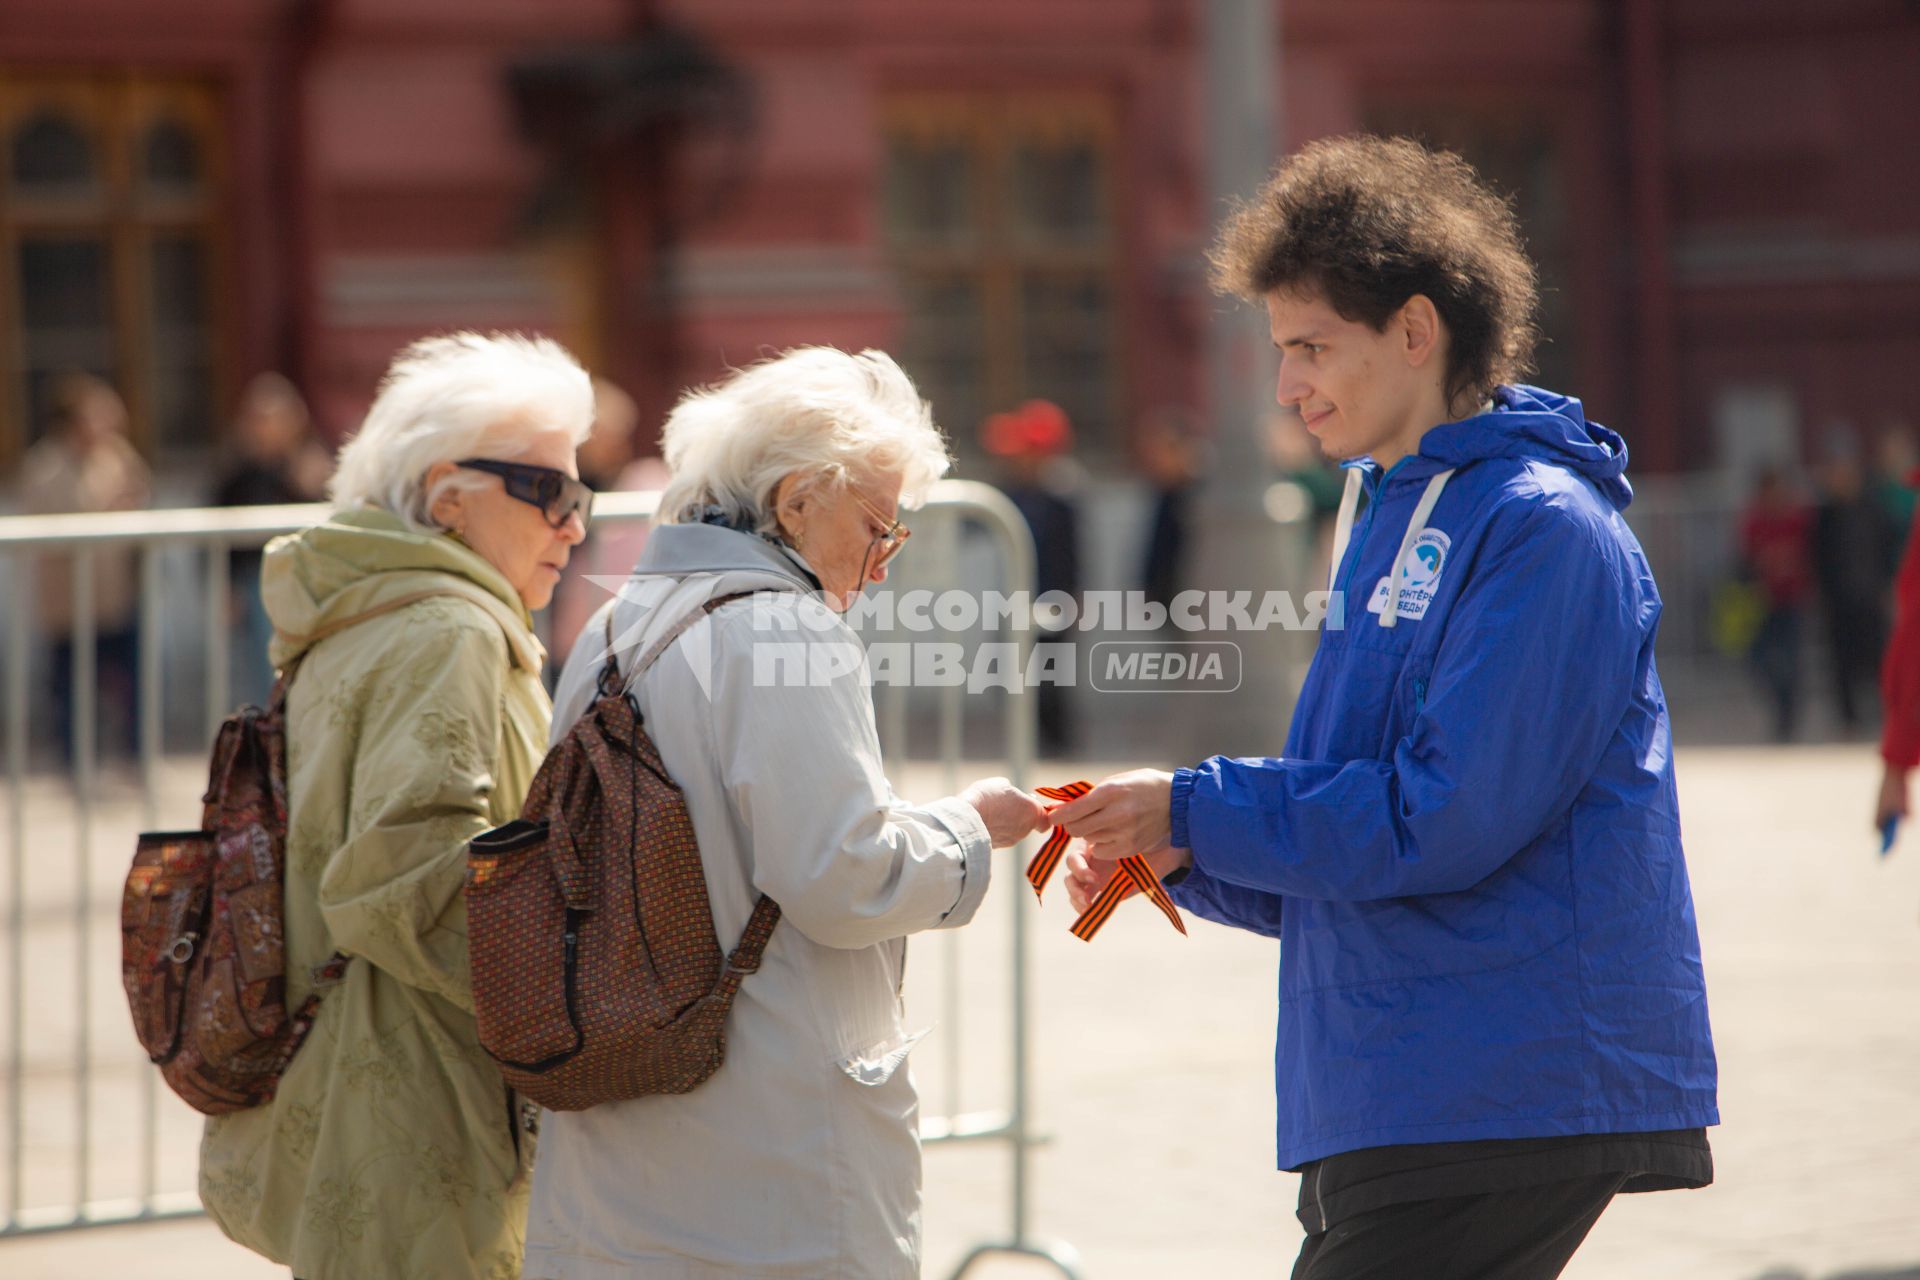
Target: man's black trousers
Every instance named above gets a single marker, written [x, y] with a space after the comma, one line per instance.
[1523, 1234]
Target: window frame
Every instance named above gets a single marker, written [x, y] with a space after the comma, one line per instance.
[116, 112]
[996, 258]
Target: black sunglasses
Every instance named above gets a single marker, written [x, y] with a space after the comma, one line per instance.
[557, 494]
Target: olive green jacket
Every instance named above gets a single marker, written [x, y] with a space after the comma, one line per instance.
[415, 721]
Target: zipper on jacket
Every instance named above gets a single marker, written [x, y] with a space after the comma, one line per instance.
[1320, 1194]
[1419, 695]
[1359, 540]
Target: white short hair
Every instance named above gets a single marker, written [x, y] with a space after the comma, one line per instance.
[461, 395]
[815, 411]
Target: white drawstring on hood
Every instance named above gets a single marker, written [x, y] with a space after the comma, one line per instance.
[1343, 534]
[1343, 524]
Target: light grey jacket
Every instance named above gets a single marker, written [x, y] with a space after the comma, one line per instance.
[800, 1157]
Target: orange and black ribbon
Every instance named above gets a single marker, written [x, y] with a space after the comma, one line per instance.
[1040, 870]
[1132, 875]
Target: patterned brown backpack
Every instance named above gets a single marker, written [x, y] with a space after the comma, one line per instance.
[597, 974]
[202, 945]
[202, 920]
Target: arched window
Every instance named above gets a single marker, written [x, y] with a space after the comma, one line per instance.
[50, 157]
[170, 160]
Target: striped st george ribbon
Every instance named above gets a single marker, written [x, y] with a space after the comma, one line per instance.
[1132, 874]
[1040, 870]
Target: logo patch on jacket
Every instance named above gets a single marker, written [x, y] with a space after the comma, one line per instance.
[1425, 559]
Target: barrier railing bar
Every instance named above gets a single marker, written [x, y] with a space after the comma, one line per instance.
[162, 526]
[947, 569]
[104, 1213]
[966, 1127]
[151, 709]
[17, 659]
[84, 672]
[218, 597]
[1004, 520]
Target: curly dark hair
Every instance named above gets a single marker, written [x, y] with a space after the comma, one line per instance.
[1367, 223]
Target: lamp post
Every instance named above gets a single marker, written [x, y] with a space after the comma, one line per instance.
[1241, 546]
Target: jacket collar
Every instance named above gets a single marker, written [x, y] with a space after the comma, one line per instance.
[678, 550]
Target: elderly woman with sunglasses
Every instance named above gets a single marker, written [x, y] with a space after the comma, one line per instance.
[800, 1156]
[415, 718]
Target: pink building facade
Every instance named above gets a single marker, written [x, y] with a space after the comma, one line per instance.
[1724, 194]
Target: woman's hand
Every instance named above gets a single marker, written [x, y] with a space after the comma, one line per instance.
[1008, 812]
[1893, 797]
[1086, 877]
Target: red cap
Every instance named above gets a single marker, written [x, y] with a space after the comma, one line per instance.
[1038, 428]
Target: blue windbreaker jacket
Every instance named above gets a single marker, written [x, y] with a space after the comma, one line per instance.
[1470, 851]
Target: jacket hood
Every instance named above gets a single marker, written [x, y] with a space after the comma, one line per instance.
[682, 567]
[1525, 422]
[1529, 422]
[366, 560]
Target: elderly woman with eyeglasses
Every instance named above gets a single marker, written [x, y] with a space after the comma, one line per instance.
[415, 718]
[800, 1156]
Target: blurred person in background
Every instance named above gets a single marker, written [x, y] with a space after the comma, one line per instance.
[1900, 692]
[85, 463]
[610, 463]
[1776, 530]
[1033, 445]
[1492, 1007]
[415, 720]
[1170, 459]
[608, 448]
[1895, 460]
[275, 458]
[1298, 460]
[799, 1157]
[1855, 553]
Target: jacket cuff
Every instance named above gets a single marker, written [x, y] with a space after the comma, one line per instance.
[976, 857]
[1177, 810]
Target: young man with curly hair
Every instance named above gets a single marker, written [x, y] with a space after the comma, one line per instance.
[1492, 1016]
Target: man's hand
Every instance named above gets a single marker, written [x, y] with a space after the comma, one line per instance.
[1892, 802]
[1008, 812]
[1128, 813]
[1086, 877]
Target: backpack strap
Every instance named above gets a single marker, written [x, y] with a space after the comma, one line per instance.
[747, 953]
[610, 677]
[752, 946]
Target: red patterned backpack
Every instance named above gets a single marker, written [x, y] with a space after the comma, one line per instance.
[597, 974]
[203, 926]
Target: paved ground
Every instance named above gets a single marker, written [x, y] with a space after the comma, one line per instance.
[1152, 1070]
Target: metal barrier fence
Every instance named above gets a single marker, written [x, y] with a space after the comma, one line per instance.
[1690, 533]
[65, 866]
